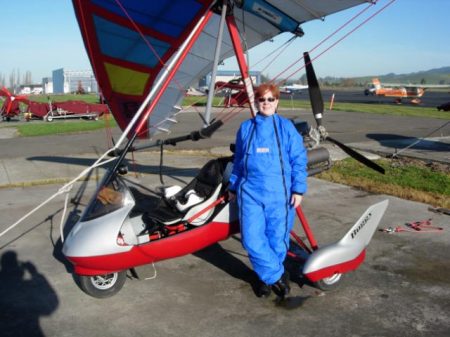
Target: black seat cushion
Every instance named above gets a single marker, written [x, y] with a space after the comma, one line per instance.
[204, 184]
[165, 212]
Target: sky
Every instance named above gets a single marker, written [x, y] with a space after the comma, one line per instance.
[407, 36]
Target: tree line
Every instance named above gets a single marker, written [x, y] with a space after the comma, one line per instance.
[15, 78]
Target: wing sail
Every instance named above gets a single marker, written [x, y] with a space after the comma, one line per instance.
[129, 41]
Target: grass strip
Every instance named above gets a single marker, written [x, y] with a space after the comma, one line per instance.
[89, 98]
[70, 126]
[382, 109]
[62, 126]
[402, 179]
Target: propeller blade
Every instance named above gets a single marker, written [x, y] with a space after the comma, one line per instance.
[315, 94]
[359, 157]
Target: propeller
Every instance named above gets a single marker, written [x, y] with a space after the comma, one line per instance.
[317, 106]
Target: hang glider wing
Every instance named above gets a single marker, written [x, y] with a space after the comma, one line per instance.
[129, 41]
[4, 92]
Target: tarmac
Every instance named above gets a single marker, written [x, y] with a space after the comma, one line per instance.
[402, 288]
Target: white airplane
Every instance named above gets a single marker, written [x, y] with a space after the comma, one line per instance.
[294, 88]
[191, 91]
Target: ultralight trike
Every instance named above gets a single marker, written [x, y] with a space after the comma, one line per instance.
[116, 233]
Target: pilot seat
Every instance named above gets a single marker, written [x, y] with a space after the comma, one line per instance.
[177, 204]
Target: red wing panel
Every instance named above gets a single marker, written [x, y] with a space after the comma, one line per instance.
[128, 41]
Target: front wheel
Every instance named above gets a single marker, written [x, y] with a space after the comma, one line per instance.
[102, 286]
[329, 283]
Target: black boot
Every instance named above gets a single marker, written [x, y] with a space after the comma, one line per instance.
[263, 290]
[281, 287]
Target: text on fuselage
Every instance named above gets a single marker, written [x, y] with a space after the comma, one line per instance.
[361, 225]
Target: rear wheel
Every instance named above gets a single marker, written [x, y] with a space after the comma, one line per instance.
[329, 283]
[102, 286]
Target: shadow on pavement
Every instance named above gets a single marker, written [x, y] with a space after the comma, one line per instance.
[25, 296]
[169, 171]
[399, 142]
[224, 260]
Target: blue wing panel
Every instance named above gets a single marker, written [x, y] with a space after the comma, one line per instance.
[169, 17]
[122, 43]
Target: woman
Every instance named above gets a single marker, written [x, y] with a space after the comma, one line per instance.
[269, 180]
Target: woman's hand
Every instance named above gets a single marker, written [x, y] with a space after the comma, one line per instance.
[296, 200]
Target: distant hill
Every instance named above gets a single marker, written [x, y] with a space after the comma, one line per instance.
[432, 76]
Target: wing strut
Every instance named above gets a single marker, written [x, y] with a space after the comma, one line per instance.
[216, 63]
[243, 67]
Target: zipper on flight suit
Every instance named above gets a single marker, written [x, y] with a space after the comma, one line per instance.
[245, 173]
[284, 179]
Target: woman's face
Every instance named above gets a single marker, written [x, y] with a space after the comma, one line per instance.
[267, 104]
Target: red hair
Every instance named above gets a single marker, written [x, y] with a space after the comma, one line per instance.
[265, 87]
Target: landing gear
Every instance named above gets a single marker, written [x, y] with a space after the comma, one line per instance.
[329, 283]
[102, 286]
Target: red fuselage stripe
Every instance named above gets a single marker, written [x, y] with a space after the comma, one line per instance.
[177, 245]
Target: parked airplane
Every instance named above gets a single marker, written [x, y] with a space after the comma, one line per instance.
[191, 91]
[399, 91]
[293, 89]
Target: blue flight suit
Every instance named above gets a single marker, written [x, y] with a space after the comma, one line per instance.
[269, 166]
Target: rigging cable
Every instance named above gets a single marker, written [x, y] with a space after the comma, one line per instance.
[152, 49]
[326, 39]
[100, 161]
[279, 49]
[314, 48]
[395, 154]
[346, 35]
[149, 45]
[334, 44]
[64, 189]
[282, 49]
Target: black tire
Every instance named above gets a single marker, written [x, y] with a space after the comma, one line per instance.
[103, 286]
[329, 283]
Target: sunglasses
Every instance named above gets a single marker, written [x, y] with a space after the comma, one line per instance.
[270, 99]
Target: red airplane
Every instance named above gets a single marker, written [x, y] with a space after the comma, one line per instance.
[235, 95]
